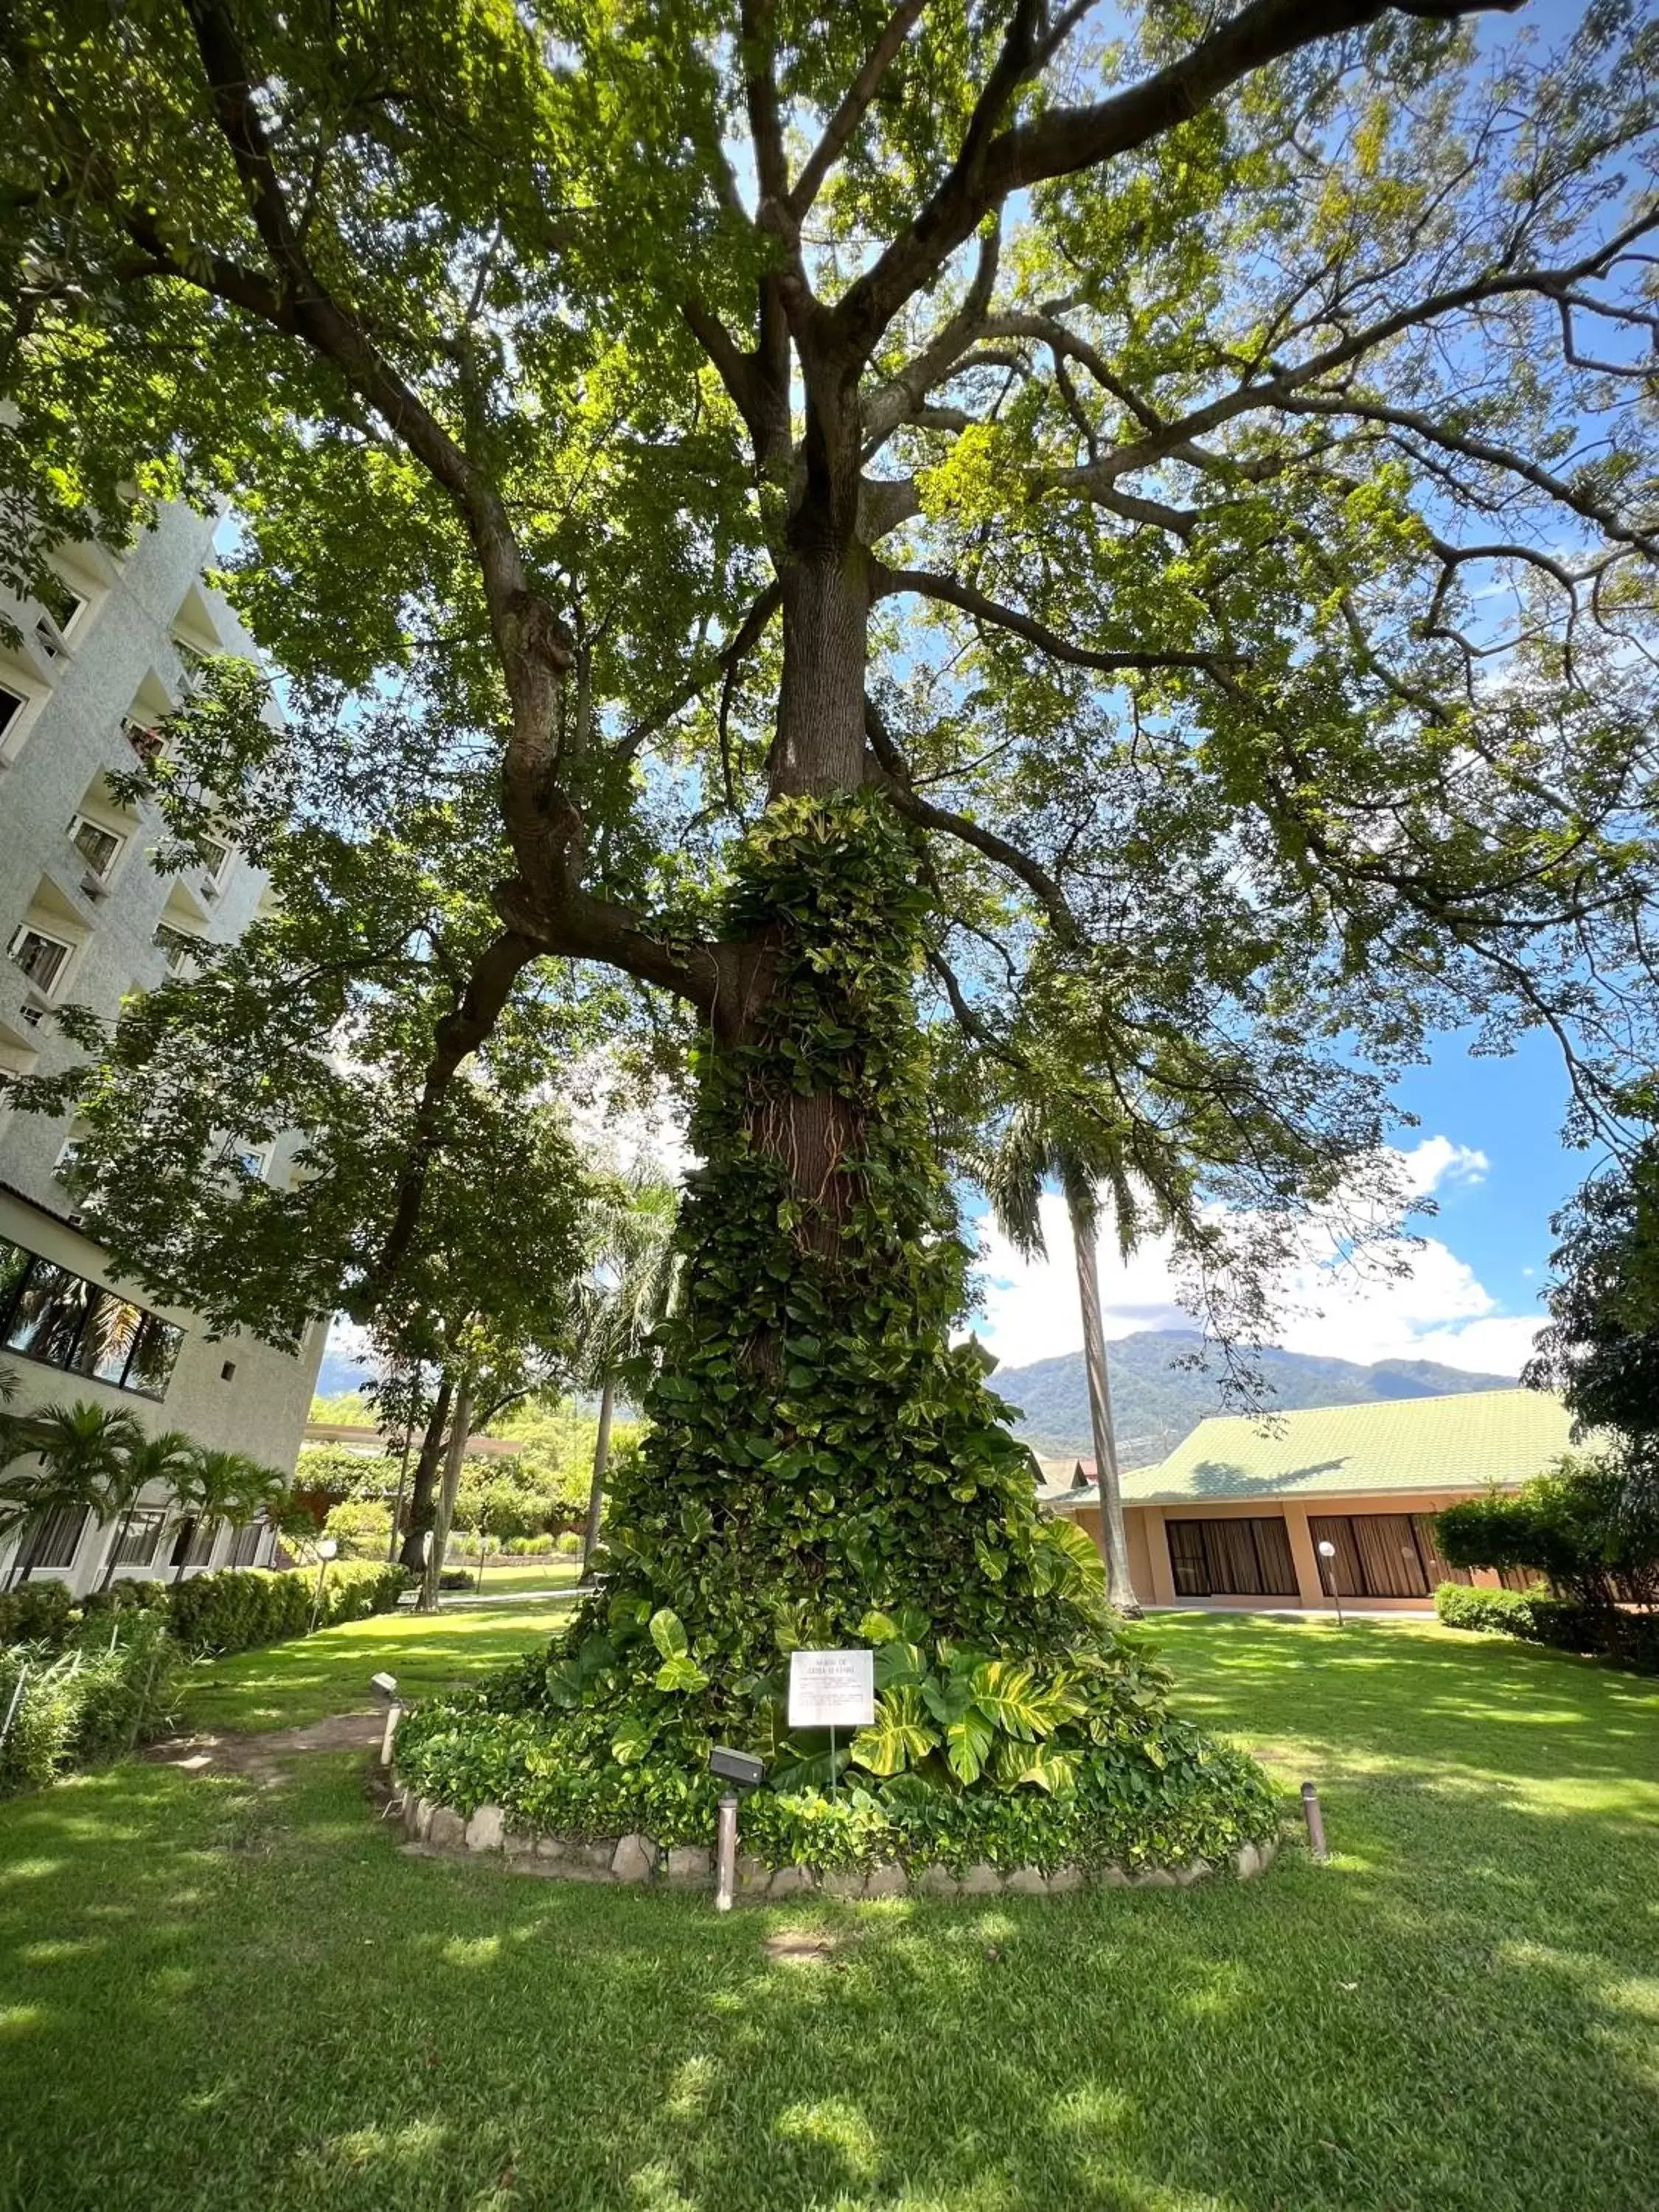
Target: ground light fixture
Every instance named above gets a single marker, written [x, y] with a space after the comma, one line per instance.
[739, 1769]
[1327, 1551]
[385, 1686]
[325, 1551]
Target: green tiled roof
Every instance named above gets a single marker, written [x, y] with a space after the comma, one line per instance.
[1456, 1443]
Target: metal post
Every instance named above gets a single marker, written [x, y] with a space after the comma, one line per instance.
[394, 1713]
[16, 1700]
[1316, 1820]
[317, 1601]
[726, 1853]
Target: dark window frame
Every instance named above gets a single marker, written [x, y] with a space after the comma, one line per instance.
[1276, 1578]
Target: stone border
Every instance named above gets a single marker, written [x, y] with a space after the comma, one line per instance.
[438, 1829]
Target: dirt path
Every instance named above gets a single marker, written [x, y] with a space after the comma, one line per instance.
[258, 1757]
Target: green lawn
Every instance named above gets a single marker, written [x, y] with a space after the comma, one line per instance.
[520, 1574]
[216, 1996]
[285, 1685]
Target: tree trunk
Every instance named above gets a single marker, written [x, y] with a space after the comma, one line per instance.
[422, 1497]
[108, 1575]
[1119, 1587]
[596, 1488]
[818, 748]
[459, 1436]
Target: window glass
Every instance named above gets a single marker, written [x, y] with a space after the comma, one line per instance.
[177, 944]
[107, 1340]
[244, 1546]
[57, 1539]
[217, 855]
[140, 1536]
[61, 604]
[11, 706]
[48, 1314]
[14, 1265]
[97, 847]
[41, 958]
[154, 1349]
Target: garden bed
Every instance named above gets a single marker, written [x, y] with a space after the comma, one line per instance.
[638, 1858]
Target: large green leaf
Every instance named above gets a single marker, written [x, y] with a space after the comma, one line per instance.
[668, 1634]
[1008, 1693]
[968, 1743]
[631, 1738]
[681, 1673]
[899, 1737]
[897, 1664]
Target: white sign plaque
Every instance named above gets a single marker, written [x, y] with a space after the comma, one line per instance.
[832, 1689]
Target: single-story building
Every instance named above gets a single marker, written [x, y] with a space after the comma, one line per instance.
[1234, 1515]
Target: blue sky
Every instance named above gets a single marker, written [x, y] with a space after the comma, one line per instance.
[1486, 1150]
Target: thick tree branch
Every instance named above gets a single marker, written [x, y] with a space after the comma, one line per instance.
[1062, 141]
[951, 592]
[854, 106]
[891, 774]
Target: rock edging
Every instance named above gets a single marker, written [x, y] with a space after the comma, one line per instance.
[638, 1858]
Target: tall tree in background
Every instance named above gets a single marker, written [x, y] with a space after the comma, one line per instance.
[1043, 513]
[1036, 1146]
[631, 1231]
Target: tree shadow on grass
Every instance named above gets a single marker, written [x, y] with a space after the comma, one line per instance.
[1459, 2012]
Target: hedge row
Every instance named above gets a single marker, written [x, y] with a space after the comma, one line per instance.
[114, 1689]
[1628, 1639]
[230, 1610]
[238, 1607]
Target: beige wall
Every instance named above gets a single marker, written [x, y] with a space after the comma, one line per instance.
[1148, 1549]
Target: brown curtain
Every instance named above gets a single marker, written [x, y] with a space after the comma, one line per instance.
[1436, 1566]
[1243, 1557]
[1376, 1554]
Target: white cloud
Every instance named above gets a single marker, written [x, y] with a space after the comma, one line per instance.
[1434, 1308]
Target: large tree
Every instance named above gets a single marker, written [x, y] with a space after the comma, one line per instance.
[897, 492]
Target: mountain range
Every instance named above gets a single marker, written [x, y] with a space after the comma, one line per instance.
[1158, 1397]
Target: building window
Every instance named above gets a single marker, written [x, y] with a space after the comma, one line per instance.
[12, 704]
[98, 847]
[50, 1314]
[245, 1545]
[146, 743]
[64, 610]
[250, 1162]
[56, 1539]
[1377, 1554]
[216, 859]
[177, 945]
[1247, 1557]
[140, 1536]
[43, 959]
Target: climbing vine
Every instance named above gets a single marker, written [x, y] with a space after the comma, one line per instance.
[823, 1467]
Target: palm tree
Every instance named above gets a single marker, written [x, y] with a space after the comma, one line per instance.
[82, 1450]
[160, 1459]
[1039, 1144]
[631, 1243]
[224, 1486]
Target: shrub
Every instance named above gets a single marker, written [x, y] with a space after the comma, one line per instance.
[238, 1608]
[88, 1703]
[362, 1527]
[1131, 1785]
[1574, 1524]
[128, 1597]
[36, 1612]
[1629, 1639]
[458, 1578]
[569, 1544]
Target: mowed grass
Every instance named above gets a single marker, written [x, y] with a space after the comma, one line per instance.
[551, 1573]
[285, 1685]
[216, 1996]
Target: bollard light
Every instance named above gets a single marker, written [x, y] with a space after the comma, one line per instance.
[744, 1771]
[1327, 1553]
[325, 1550]
[1316, 1820]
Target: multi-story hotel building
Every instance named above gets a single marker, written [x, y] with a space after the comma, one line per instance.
[86, 917]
